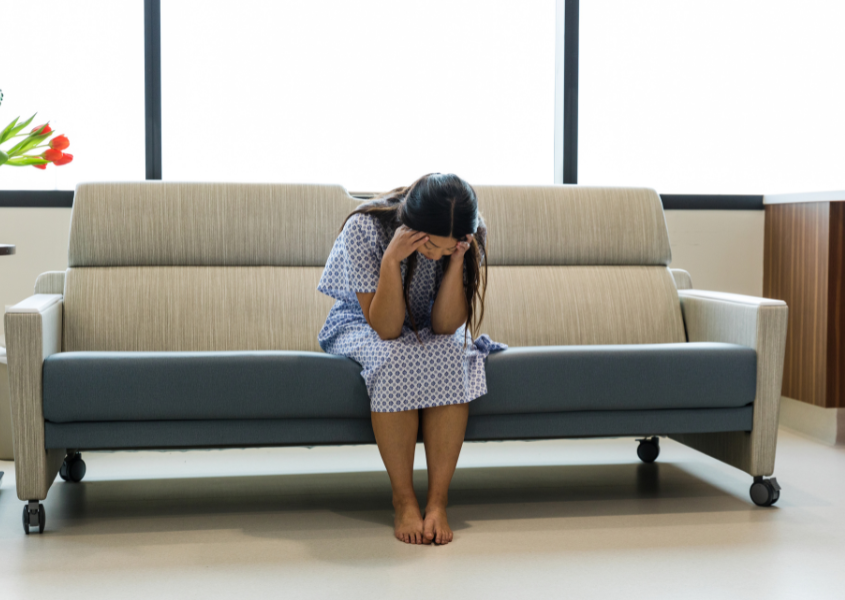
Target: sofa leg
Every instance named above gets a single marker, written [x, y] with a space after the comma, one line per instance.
[765, 492]
[33, 516]
[73, 468]
[649, 449]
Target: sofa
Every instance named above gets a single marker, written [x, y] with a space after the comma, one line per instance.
[188, 318]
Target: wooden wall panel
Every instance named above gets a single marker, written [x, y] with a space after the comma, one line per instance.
[795, 270]
[835, 381]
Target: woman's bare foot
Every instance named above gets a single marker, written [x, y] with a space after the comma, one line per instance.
[436, 527]
[408, 522]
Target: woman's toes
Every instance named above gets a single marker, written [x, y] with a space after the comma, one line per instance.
[408, 523]
[429, 532]
[437, 524]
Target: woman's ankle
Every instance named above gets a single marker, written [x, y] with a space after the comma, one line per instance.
[436, 502]
[404, 499]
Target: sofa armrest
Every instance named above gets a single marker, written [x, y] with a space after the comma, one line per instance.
[51, 282]
[732, 318]
[33, 332]
[683, 280]
[758, 323]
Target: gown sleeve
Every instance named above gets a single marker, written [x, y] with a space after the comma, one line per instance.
[355, 260]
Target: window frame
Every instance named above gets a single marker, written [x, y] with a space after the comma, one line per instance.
[566, 121]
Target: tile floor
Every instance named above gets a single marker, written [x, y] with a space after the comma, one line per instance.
[579, 519]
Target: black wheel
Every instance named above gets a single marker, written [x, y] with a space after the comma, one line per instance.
[42, 517]
[648, 450]
[73, 469]
[765, 492]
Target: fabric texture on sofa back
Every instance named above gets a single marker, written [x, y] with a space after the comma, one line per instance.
[205, 224]
[193, 308]
[294, 225]
[574, 225]
[196, 266]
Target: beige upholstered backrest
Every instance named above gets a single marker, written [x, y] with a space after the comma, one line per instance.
[205, 224]
[193, 266]
[574, 225]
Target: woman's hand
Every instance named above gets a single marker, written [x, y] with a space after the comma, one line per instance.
[404, 243]
[450, 306]
[461, 249]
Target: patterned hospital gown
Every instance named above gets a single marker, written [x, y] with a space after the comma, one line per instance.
[400, 374]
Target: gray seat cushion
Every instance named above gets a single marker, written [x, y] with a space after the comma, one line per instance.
[624, 377]
[147, 386]
[163, 386]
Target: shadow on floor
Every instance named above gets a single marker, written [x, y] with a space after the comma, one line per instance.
[283, 505]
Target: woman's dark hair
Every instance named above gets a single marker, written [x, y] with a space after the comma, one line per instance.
[446, 206]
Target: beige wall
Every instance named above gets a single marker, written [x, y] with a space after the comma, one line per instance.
[41, 236]
[723, 250]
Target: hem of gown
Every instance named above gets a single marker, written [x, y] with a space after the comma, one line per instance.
[467, 401]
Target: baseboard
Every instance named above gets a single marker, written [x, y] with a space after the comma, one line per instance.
[826, 425]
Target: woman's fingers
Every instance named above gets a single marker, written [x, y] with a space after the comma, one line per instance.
[419, 242]
[411, 234]
[416, 238]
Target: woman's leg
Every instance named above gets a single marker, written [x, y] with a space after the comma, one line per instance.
[443, 429]
[396, 436]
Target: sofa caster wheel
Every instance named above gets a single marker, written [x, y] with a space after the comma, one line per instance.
[765, 492]
[73, 469]
[33, 516]
[649, 449]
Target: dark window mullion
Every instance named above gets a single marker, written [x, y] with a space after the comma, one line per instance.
[570, 91]
[152, 86]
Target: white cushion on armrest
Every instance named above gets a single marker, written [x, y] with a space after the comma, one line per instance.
[37, 303]
[732, 298]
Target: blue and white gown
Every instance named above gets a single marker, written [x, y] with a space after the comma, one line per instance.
[400, 374]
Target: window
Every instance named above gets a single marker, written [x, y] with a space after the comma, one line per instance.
[369, 94]
[712, 97]
[80, 65]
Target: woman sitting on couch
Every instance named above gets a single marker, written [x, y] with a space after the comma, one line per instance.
[408, 271]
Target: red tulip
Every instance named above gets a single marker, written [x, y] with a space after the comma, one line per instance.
[65, 159]
[52, 155]
[45, 126]
[40, 166]
[60, 142]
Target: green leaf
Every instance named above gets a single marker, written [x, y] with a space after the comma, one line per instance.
[7, 132]
[28, 142]
[26, 161]
[15, 130]
[3, 157]
[28, 121]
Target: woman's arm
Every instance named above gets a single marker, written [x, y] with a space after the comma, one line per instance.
[450, 305]
[385, 309]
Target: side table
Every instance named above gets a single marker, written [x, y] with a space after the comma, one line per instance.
[804, 264]
[5, 250]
